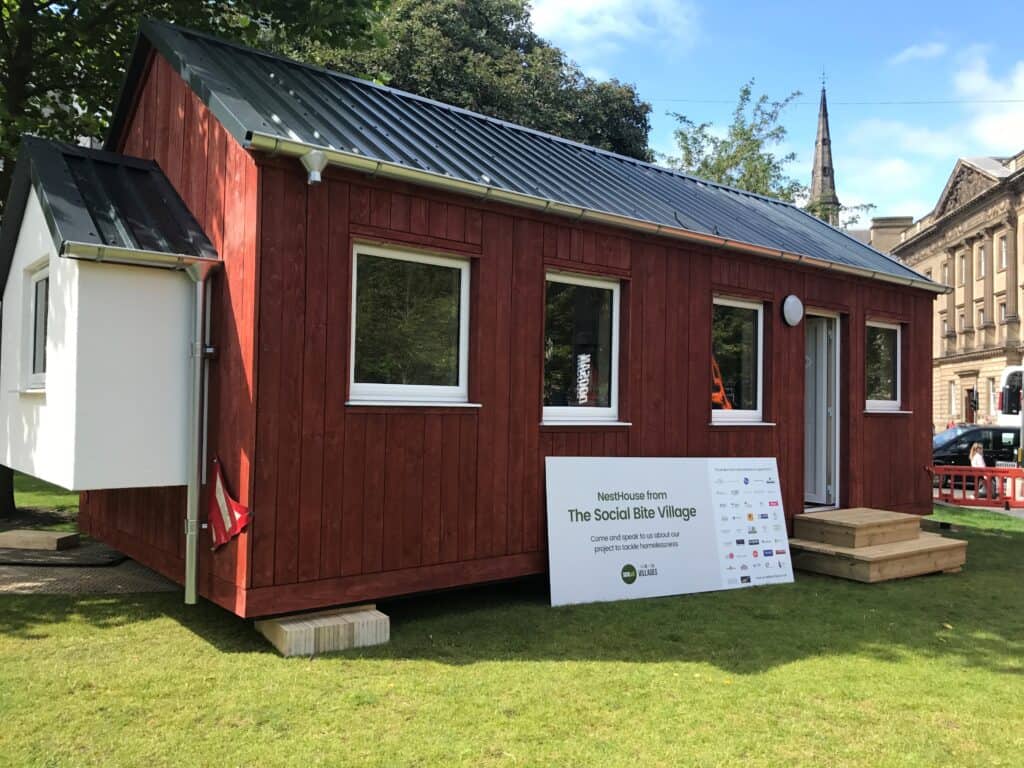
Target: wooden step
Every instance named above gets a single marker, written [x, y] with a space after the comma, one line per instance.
[856, 527]
[928, 553]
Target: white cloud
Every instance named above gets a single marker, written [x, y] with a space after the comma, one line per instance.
[996, 124]
[919, 52]
[909, 138]
[591, 30]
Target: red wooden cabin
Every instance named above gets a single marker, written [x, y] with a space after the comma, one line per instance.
[582, 300]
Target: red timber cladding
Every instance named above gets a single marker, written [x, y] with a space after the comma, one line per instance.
[218, 180]
[355, 503]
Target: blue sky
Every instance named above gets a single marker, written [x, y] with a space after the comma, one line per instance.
[682, 54]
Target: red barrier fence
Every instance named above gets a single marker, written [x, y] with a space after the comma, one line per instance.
[1001, 487]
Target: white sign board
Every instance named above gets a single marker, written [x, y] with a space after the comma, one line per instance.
[622, 528]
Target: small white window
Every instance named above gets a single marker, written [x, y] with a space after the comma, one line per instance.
[737, 361]
[1002, 252]
[410, 327]
[945, 327]
[981, 317]
[581, 349]
[39, 315]
[945, 274]
[981, 262]
[963, 268]
[1002, 311]
[882, 367]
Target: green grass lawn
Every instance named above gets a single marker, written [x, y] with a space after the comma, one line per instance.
[30, 493]
[924, 672]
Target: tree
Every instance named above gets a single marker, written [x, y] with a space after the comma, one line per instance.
[61, 64]
[483, 55]
[742, 158]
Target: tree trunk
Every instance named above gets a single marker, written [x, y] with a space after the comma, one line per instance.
[7, 508]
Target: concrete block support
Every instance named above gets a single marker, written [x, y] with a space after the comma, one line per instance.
[325, 631]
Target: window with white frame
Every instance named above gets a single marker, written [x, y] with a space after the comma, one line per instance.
[39, 315]
[981, 262]
[1002, 252]
[882, 366]
[945, 274]
[981, 317]
[1002, 312]
[581, 348]
[963, 268]
[410, 326]
[737, 361]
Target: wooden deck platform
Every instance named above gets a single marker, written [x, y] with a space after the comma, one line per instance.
[871, 545]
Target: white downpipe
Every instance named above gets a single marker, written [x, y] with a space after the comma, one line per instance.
[199, 272]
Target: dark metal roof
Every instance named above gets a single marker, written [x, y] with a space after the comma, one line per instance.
[255, 94]
[102, 199]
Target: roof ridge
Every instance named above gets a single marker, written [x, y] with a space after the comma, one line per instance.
[151, 22]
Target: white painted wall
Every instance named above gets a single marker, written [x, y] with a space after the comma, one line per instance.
[114, 411]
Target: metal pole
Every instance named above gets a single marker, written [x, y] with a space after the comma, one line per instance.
[199, 274]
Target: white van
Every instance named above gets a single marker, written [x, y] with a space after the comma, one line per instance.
[1009, 396]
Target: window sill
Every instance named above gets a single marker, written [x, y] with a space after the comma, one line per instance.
[408, 404]
[742, 424]
[596, 423]
[41, 390]
[886, 412]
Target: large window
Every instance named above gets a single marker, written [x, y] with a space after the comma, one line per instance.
[737, 349]
[39, 318]
[581, 349]
[882, 366]
[410, 327]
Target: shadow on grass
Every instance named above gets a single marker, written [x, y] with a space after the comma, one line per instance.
[970, 620]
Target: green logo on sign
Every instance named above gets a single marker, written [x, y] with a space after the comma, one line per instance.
[628, 574]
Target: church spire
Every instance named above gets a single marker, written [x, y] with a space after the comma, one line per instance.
[823, 200]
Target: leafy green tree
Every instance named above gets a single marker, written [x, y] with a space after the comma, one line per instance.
[62, 63]
[743, 157]
[483, 55]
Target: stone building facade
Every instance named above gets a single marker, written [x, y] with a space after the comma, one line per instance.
[972, 241]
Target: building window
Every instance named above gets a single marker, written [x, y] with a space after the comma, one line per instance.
[737, 362]
[1002, 312]
[1002, 252]
[981, 317]
[961, 322]
[581, 349]
[981, 262]
[39, 320]
[882, 366]
[945, 274]
[945, 327]
[963, 268]
[410, 327]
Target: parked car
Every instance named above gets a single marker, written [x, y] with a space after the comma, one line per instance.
[951, 447]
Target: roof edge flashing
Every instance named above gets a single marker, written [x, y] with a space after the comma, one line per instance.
[276, 145]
